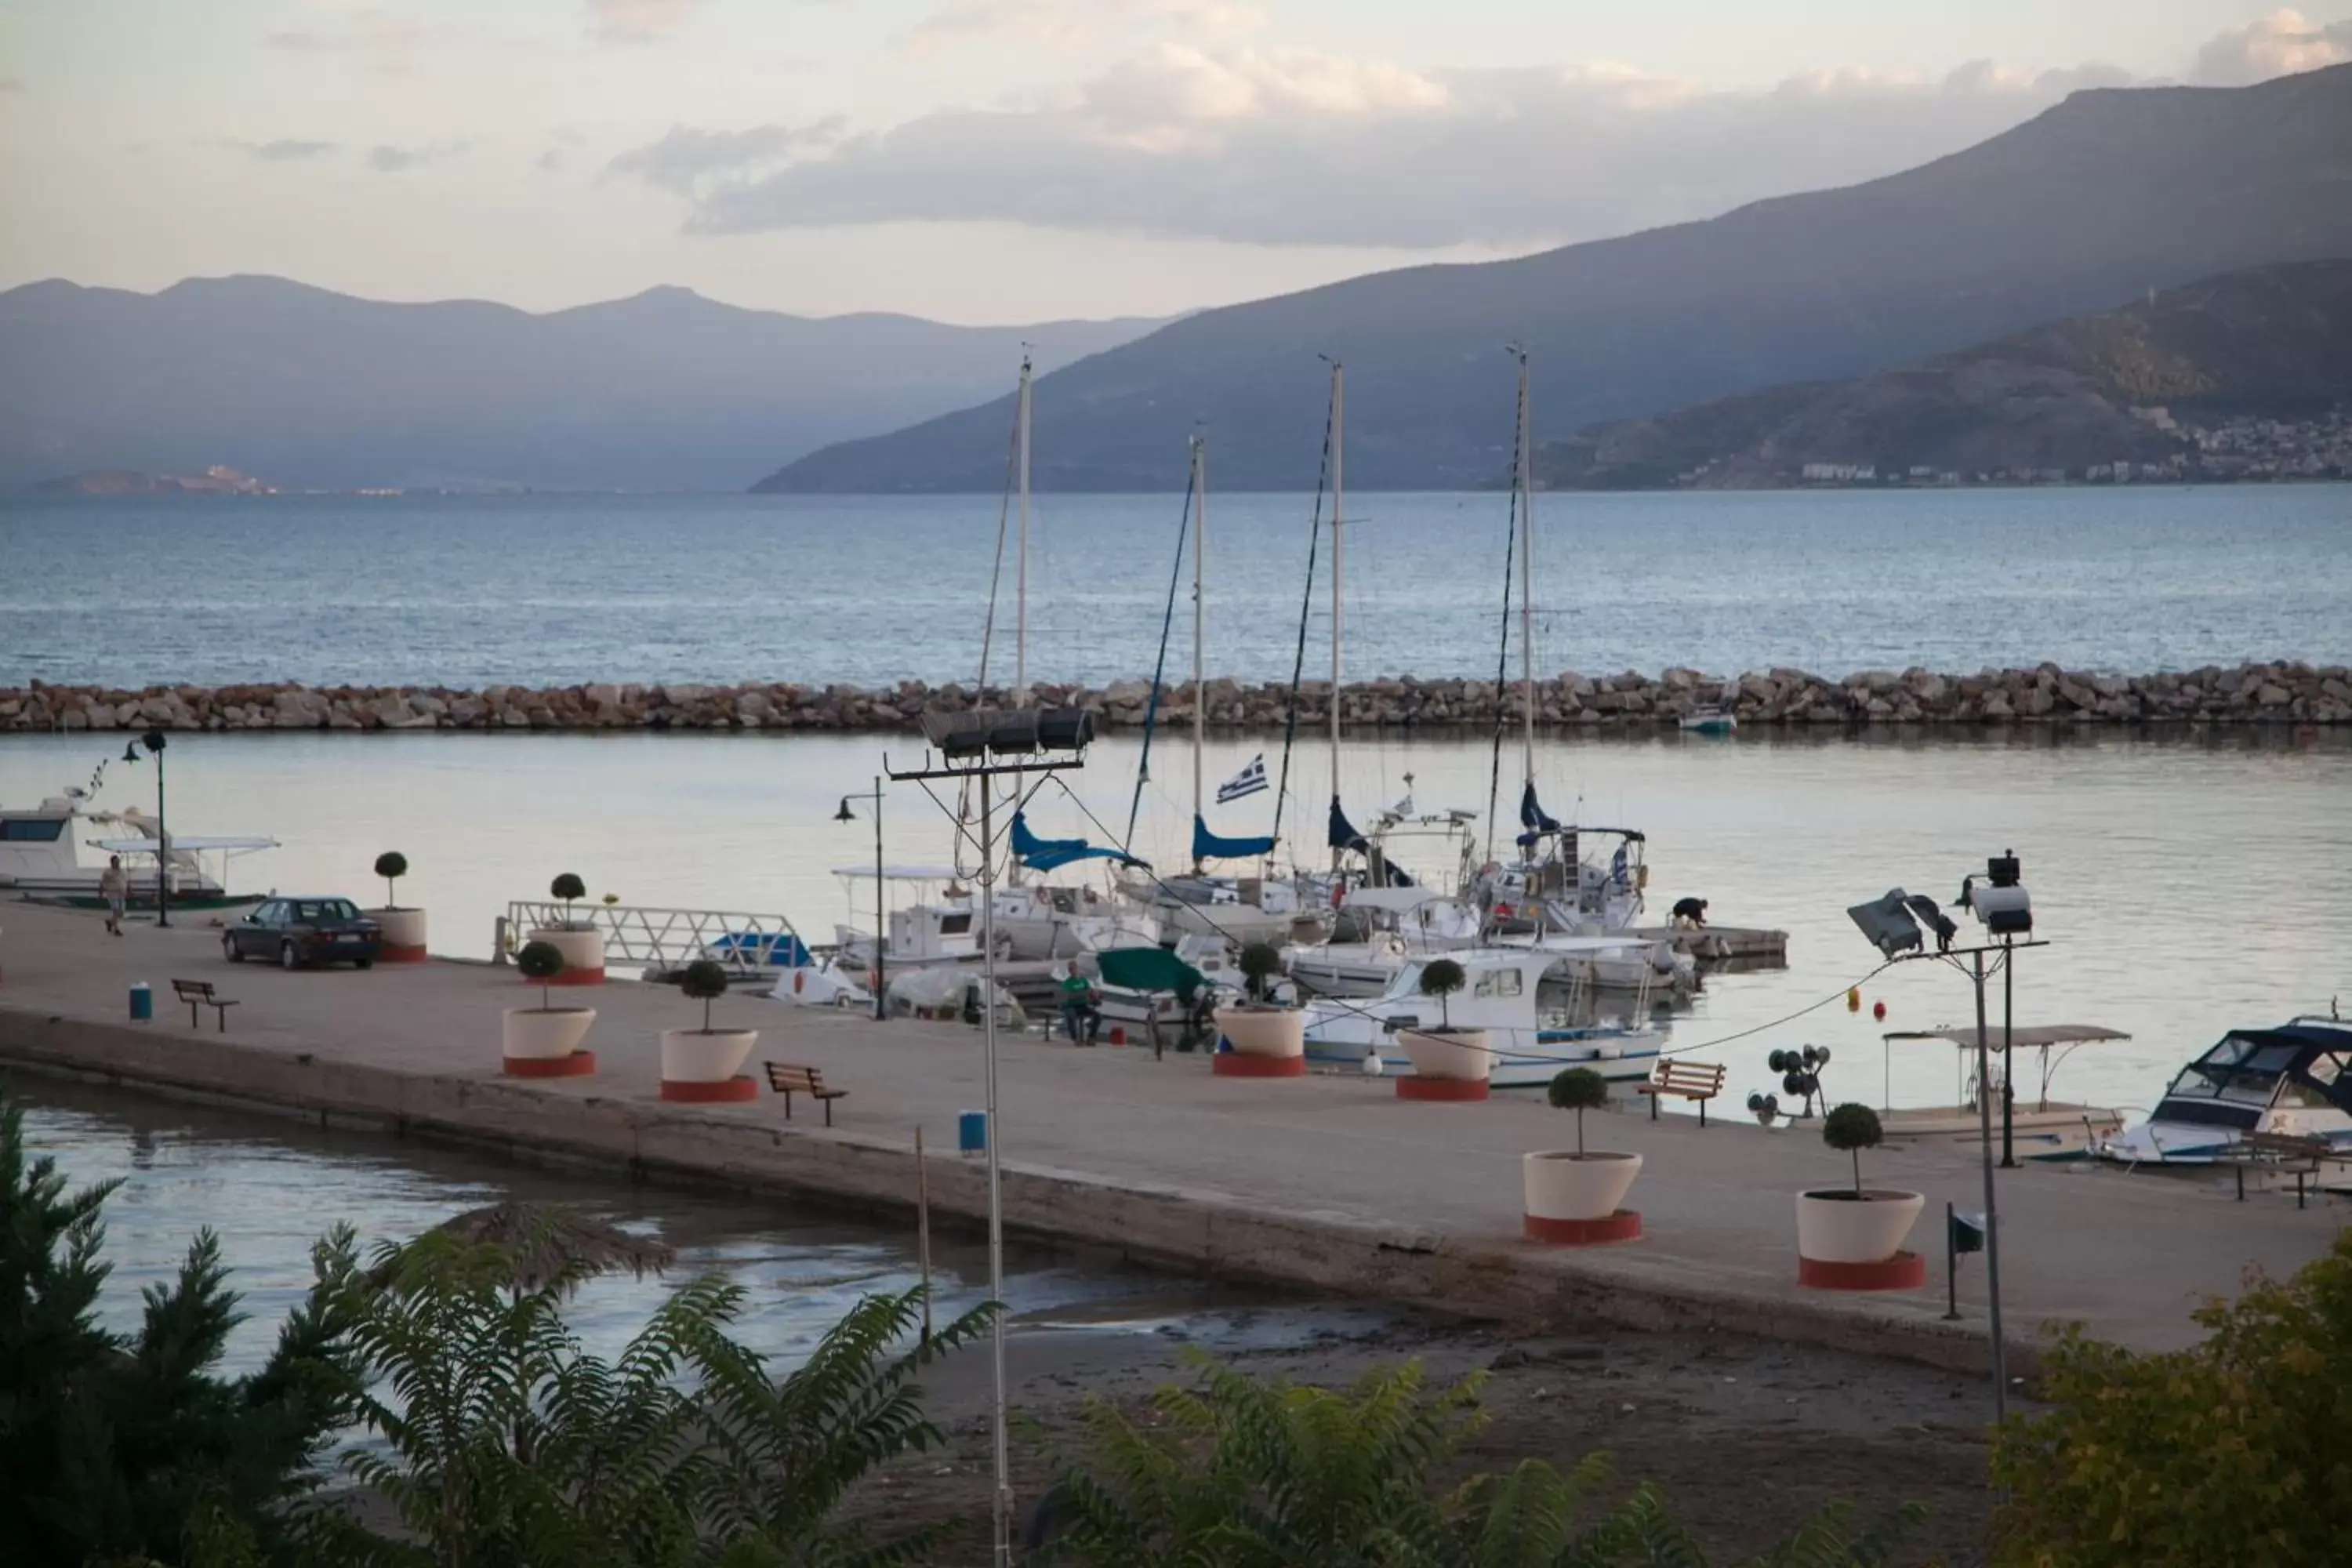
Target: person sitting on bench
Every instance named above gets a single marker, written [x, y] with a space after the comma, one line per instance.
[1690, 914]
[1081, 1018]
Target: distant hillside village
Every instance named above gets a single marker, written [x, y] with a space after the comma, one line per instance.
[2230, 450]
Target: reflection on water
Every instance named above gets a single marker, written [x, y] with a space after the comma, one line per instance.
[271, 1188]
[2189, 883]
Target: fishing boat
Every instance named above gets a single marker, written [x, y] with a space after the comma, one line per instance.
[1709, 719]
[1529, 1027]
[2039, 1128]
[2294, 1079]
[41, 860]
[938, 927]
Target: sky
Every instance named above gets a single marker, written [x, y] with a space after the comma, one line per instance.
[995, 161]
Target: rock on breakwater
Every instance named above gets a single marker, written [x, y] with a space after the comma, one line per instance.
[2274, 693]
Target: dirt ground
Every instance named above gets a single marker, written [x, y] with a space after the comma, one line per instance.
[1746, 1437]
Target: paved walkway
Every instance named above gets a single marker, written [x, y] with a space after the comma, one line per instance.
[1366, 1192]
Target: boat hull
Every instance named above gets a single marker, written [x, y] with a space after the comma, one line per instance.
[1520, 1058]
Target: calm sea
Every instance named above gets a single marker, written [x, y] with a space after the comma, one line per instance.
[874, 589]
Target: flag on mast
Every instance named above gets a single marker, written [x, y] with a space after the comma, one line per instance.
[1249, 781]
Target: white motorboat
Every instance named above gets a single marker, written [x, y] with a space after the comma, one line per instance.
[940, 926]
[825, 981]
[2294, 1079]
[1393, 925]
[1139, 986]
[1635, 964]
[2039, 1128]
[41, 860]
[1530, 1032]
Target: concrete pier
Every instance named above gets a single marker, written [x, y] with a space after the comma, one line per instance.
[1325, 1181]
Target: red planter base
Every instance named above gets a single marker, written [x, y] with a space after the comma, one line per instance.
[692, 1092]
[1903, 1271]
[579, 1064]
[1623, 1226]
[575, 977]
[1233, 1064]
[400, 955]
[1418, 1087]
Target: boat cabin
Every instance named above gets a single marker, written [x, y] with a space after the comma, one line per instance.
[2294, 1079]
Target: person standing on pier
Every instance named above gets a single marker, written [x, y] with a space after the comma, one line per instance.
[115, 889]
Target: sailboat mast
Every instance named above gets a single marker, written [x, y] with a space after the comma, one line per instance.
[1338, 559]
[1021, 619]
[1199, 574]
[1527, 582]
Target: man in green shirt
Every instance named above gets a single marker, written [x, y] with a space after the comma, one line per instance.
[1080, 1017]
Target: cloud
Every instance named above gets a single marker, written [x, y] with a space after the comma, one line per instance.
[1079, 24]
[392, 38]
[2280, 44]
[10, 84]
[1238, 144]
[638, 21]
[287, 151]
[389, 160]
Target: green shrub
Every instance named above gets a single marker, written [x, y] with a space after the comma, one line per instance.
[704, 981]
[1853, 1127]
[391, 865]
[1260, 962]
[1441, 978]
[567, 887]
[1578, 1089]
[542, 962]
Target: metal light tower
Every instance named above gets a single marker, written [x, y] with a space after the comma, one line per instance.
[980, 748]
[154, 741]
[1893, 923]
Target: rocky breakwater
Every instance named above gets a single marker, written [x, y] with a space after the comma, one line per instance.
[2279, 693]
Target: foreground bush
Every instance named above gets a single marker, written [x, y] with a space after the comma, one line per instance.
[2238, 1450]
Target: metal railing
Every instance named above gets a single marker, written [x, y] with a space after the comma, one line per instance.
[659, 939]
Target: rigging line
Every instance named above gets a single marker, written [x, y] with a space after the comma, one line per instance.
[1305, 605]
[996, 572]
[1159, 668]
[1503, 657]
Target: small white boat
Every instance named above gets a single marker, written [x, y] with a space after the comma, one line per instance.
[1142, 985]
[1711, 719]
[41, 856]
[940, 926]
[2294, 1079]
[1395, 925]
[829, 981]
[2039, 1128]
[1046, 919]
[1531, 1036]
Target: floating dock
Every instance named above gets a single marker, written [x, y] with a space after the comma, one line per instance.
[1329, 1181]
[1748, 947]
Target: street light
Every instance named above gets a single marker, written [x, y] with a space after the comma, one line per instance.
[980, 747]
[1894, 924]
[154, 741]
[881, 918]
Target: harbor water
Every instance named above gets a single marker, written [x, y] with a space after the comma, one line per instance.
[2187, 885]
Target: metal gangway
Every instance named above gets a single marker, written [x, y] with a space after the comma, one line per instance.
[662, 940]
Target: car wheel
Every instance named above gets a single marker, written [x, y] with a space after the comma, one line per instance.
[363, 964]
[286, 957]
[230, 951]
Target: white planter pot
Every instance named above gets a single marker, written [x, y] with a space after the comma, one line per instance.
[690, 1055]
[1264, 1031]
[1460, 1053]
[403, 934]
[1834, 1227]
[1562, 1184]
[545, 1033]
[583, 954]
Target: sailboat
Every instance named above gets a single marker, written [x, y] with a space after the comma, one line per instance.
[1240, 908]
[1034, 918]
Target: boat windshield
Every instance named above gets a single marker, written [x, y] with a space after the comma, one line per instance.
[2241, 1072]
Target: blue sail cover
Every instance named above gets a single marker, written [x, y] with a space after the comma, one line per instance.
[1207, 846]
[1048, 854]
[1532, 818]
[1343, 832]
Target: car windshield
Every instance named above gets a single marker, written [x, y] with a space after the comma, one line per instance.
[323, 912]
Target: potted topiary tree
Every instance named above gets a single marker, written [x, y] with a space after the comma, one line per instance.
[1444, 1053]
[1569, 1190]
[545, 1041]
[704, 1064]
[582, 943]
[1857, 1231]
[1268, 1041]
[404, 930]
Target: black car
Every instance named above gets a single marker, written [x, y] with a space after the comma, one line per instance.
[299, 931]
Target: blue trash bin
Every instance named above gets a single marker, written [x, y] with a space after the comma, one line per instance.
[142, 1003]
[972, 1132]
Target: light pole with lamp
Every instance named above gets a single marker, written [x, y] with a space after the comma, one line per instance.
[1893, 923]
[881, 916]
[154, 741]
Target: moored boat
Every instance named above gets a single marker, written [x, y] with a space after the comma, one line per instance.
[2294, 1079]
[1532, 1034]
[41, 856]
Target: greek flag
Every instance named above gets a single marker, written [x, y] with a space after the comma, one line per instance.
[1249, 781]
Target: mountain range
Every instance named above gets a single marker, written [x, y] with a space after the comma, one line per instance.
[2269, 343]
[305, 388]
[2085, 208]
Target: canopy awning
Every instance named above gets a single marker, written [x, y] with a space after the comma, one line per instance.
[188, 842]
[1150, 969]
[900, 873]
[2040, 1034]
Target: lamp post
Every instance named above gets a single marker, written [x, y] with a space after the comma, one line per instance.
[1892, 924]
[154, 741]
[881, 919]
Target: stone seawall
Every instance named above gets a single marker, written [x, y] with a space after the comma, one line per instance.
[2286, 693]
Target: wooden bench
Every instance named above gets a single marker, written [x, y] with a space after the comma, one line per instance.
[1701, 1081]
[789, 1080]
[199, 994]
[2299, 1154]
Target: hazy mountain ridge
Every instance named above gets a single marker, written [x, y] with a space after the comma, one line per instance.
[664, 390]
[2266, 343]
[2081, 209]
